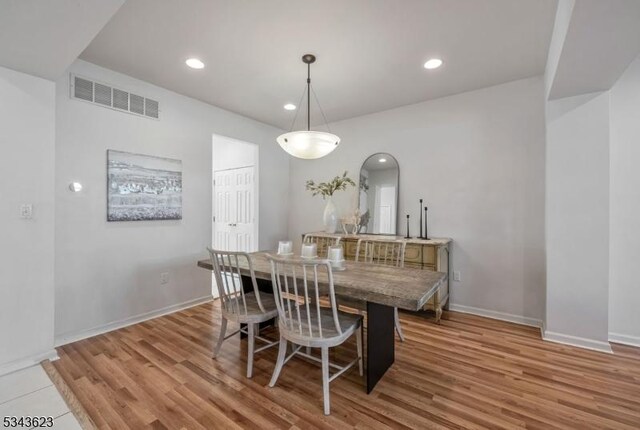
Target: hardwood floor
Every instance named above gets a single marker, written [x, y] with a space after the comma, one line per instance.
[467, 373]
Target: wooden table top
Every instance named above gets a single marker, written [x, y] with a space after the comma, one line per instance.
[404, 288]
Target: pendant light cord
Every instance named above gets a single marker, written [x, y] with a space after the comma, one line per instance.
[293, 124]
[309, 97]
[309, 90]
[321, 111]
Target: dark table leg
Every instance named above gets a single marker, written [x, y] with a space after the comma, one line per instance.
[380, 342]
[263, 286]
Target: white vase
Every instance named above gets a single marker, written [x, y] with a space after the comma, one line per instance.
[330, 217]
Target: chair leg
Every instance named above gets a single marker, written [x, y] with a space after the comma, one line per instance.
[282, 352]
[359, 348]
[397, 324]
[325, 380]
[251, 339]
[223, 331]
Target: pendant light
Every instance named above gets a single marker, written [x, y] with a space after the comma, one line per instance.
[308, 144]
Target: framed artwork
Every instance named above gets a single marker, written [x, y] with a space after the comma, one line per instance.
[143, 187]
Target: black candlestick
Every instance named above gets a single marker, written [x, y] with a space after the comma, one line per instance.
[426, 231]
[420, 212]
[407, 236]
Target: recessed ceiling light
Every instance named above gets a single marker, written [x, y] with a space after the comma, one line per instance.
[194, 63]
[290, 106]
[382, 160]
[433, 63]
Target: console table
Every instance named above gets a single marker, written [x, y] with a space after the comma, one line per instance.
[433, 254]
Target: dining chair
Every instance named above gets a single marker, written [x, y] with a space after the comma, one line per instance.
[240, 304]
[322, 242]
[298, 286]
[384, 252]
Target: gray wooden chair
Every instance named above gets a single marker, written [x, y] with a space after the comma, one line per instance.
[323, 242]
[298, 286]
[387, 252]
[248, 307]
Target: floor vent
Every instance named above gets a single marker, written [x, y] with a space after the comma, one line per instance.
[115, 98]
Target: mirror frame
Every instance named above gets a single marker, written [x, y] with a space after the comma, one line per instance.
[387, 155]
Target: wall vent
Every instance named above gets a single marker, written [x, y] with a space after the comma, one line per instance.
[102, 94]
[115, 98]
[151, 108]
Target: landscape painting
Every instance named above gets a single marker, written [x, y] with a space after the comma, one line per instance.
[143, 187]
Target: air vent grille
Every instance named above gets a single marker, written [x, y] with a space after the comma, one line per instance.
[83, 89]
[136, 104]
[120, 99]
[102, 94]
[151, 108]
[105, 95]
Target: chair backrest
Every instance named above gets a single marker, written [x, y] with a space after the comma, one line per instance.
[226, 268]
[387, 252]
[322, 243]
[297, 292]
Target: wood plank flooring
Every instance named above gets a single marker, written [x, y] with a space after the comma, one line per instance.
[467, 373]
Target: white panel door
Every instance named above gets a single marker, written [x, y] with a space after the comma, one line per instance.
[235, 210]
[223, 211]
[386, 212]
[244, 225]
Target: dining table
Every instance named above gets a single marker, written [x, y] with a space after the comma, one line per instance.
[381, 287]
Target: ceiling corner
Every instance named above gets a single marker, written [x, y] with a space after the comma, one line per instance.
[43, 38]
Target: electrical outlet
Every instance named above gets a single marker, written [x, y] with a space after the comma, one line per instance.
[456, 275]
[164, 278]
[26, 211]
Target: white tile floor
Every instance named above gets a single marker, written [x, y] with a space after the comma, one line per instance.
[30, 392]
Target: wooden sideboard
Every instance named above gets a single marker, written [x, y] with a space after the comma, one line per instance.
[433, 254]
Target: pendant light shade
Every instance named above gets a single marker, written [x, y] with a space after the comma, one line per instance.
[308, 144]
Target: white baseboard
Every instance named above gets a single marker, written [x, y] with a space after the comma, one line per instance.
[547, 335]
[518, 319]
[581, 342]
[74, 337]
[624, 339]
[23, 363]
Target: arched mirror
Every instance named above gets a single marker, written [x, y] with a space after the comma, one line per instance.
[378, 194]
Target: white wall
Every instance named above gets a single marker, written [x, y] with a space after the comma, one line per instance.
[624, 287]
[233, 154]
[477, 159]
[107, 273]
[577, 220]
[27, 127]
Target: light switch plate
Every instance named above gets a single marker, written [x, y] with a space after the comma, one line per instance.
[456, 275]
[26, 211]
[164, 278]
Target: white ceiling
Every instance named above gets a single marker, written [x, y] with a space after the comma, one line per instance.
[370, 52]
[602, 40]
[43, 38]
